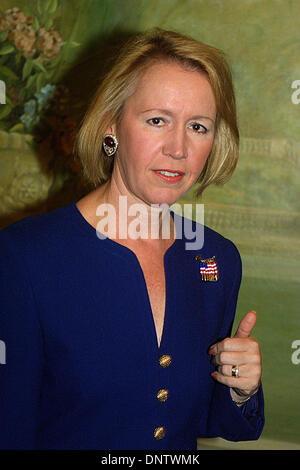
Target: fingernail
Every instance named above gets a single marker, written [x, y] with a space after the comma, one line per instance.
[211, 351]
[213, 374]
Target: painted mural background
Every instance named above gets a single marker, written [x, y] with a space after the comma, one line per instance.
[53, 55]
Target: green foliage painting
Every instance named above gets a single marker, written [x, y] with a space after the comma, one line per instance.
[30, 46]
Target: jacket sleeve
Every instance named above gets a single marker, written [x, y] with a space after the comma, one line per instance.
[22, 350]
[225, 418]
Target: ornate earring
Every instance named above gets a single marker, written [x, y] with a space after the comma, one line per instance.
[110, 144]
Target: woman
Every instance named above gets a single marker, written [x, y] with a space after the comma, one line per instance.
[116, 339]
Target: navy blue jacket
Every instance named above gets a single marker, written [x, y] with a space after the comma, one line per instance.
[82, 367]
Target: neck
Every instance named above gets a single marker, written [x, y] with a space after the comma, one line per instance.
[128, 217]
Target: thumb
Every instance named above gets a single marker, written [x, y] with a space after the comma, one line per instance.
[246, 325]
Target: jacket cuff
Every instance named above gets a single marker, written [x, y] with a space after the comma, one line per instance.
[246, 421]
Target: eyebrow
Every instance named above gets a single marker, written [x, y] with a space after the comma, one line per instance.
[165, 111]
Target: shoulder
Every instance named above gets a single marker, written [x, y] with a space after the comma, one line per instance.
[204, 239]
[38, 230]
[225, 247]
[202, 243]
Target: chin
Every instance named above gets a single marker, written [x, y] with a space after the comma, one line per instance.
[163, 199]
[154, 195]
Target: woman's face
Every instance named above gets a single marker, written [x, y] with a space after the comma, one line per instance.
[166, 133]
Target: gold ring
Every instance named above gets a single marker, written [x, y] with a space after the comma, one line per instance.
[235, 371]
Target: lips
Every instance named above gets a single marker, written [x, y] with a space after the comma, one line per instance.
[171, 176]
[170, 171]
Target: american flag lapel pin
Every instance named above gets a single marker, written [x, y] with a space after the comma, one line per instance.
[208, 268]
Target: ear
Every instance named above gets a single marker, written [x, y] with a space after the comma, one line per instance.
[111, 130]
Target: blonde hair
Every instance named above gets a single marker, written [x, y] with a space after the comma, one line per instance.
[107, 105]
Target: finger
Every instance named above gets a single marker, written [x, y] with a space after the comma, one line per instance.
[243, 384]
[246, 325]
[234, 344]
[246, 370]
[235, 357]
[227, 370]
[233, 382]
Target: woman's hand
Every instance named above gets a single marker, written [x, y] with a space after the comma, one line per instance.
[243, 351]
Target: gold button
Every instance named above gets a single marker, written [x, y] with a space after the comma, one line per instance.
[162, 395]
[165, 360]
[159, 433]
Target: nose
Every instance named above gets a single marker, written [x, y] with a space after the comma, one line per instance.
[175, 144]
